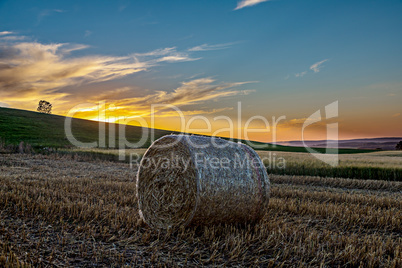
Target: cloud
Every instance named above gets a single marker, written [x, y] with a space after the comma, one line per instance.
[189, 93]
[47, 12]
[122, 7]
[6, 33]
[112, 95]
[248, 3]
[299, 122]
[316, 67]
[31, 69]
[87, 33]
[157, 52]
[68, 48]
[396, 115]
[171, 113]
[206, 47]
[301, 74]
[169, 54]
[12, 38]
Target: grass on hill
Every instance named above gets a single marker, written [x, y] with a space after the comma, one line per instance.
[45, 130]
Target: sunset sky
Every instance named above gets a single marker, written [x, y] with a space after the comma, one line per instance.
[286, 58]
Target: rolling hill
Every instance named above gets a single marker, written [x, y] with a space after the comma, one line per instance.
[46, 130]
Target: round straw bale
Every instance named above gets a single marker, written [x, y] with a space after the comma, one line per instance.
[190, 179]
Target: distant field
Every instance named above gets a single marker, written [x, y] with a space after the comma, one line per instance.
[43, 130]
[59, 211]
[384, 143]
[386, 159]
[385, 165]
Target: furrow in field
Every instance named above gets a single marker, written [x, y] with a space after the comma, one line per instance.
[329, 195]
[389, 186]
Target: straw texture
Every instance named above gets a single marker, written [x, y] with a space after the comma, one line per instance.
[196, 180]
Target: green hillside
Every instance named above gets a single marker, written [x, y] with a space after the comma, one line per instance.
[44, 130]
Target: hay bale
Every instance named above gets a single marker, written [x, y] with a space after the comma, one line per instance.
[185, 179]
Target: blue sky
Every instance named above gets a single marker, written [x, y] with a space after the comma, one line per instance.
[272, 45]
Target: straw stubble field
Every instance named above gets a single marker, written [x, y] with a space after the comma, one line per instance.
[60, 211]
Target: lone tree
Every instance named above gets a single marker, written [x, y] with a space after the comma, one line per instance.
[45, 107]
[399, 146]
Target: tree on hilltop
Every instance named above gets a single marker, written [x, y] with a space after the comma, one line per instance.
[45, 107]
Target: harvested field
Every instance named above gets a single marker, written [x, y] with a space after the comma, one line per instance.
[55, 210]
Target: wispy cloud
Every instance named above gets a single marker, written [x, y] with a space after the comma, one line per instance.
[299, 122]
[191, 92]
[206, 47]
[12, 38]
[396, 115]
[248, 3]
[316, 67]
[301, 74]
[169, 54]
[87, 33]
[157, 52]
[47, 12]
[194, 112]
[6, 33]
[123, 7]
[68, 48]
